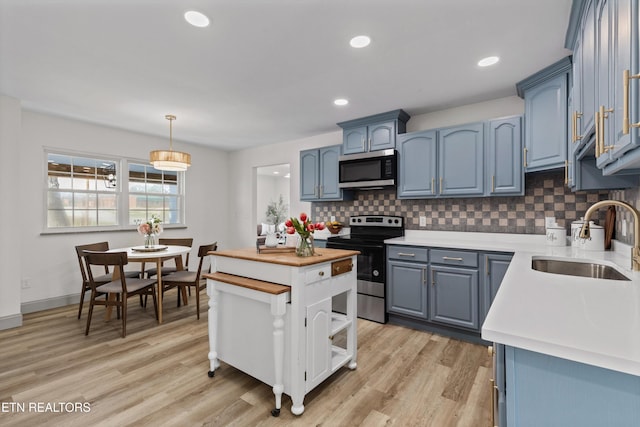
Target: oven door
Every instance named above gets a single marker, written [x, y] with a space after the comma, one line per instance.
[370, 260]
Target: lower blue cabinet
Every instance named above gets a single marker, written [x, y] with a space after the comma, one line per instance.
[407, 289]
[454, 296]
[543, 390]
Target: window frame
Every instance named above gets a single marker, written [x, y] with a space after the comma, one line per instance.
[121, 193]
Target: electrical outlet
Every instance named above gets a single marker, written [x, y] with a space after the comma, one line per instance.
[25, 283]
[333, 218]
[423, 221]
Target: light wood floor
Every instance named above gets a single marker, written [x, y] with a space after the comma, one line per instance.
[157, 375]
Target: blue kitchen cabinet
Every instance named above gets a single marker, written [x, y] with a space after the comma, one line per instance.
[588, 70]
[373, 133]
[407, 286]
[495, 267]
[505, 173]
[461, 160]
[543, 390]
[454, 296]
[545, 123]
[319, 174]
[417, 173]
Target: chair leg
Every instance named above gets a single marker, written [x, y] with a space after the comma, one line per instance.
[197, 291]
[93, 297]
[155, 301]
[84, 291]
[124, 315]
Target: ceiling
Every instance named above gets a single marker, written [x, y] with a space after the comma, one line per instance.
[267, 71]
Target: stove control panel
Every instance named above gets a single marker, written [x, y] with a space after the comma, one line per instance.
[377, 221]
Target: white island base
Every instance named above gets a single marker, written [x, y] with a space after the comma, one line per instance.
[270, 316]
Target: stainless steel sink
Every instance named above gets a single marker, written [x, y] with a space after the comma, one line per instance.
[574, 268]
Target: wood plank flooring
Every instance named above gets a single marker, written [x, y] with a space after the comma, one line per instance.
[157, 376]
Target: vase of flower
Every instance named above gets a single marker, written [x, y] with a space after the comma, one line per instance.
[305, 228]
[150, 230]
[149, 240]
[305, 246]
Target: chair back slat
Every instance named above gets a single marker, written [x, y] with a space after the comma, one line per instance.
[170, 241]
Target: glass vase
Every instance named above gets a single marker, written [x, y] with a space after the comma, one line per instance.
[305, 246]
[149, 240]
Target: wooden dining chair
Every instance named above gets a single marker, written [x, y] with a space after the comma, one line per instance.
[170, 269]
[123, 288]
[186, 279]
[99, 279]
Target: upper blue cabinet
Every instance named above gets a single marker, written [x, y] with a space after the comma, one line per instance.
[319, 174]
[545, 125]
[373, 133]
[607, 31]
[505, 173]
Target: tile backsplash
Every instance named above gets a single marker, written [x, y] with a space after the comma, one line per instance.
[545, 195]
[631, 196]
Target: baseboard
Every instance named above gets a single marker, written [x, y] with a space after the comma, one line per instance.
[49, 303]
[9, 322]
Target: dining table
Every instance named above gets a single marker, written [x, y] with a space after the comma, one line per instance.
[156, 254]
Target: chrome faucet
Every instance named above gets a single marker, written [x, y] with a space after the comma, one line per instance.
[635, 251]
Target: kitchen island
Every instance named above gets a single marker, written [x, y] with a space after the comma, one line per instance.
[270, 316]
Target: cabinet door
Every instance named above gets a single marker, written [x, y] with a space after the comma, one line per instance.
[309, 173]
[329, 157]
[495, 266]
[604, 74]
[588, 98]
[382, 136]
[625, 29]
[454, 296]
[354, 140]
[545, 125]
[406, 291]
[318, 342]
[417, 164]
[461, 160]
[505, 172]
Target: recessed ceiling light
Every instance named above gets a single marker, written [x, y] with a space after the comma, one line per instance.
[360, 41]
[276, 172]
[196, 19]
[341, 101]
[489, 60]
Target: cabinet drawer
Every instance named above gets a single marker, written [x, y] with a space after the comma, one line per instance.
[408, 253]
[449, 257]
[317, 274]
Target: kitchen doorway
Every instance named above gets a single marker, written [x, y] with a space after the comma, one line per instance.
[272, 197]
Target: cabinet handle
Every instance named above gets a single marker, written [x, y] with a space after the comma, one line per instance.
[424, 275]
[440, 185]
[321, 188]
[576, 137]
[493, 183]
[525, 156]
[450, 258]
[369, 147]
[566, 172]
[433, 185]
[433, 277]
[604, 114]
[597, 125]
[492, 386]
[486, 267]
[405, 254]
[626, 77]
[321, 273]
[363, 144]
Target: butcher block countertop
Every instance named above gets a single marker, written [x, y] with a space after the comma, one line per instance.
[287, 258]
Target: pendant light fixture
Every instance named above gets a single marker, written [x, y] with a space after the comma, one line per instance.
[169, 160]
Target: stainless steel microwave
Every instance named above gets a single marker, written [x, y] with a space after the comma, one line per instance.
[368, 170]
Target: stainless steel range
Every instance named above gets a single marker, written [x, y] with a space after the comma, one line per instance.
[367, 235]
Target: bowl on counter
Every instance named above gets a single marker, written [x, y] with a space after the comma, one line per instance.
[333, 227]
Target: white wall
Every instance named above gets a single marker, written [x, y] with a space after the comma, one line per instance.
[49, 260]
[269, 189]
[242, 163]
[11, 227]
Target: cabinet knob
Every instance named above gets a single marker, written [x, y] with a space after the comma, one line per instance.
[321, 273]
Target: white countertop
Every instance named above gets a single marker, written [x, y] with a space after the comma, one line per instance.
[593, 321]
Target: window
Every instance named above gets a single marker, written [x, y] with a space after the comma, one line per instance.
[88, 193]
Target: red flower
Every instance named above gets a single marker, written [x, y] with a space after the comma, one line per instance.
[291, 230]
[288, 223]
[319, 226]
[310, 227]
[303, 217]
